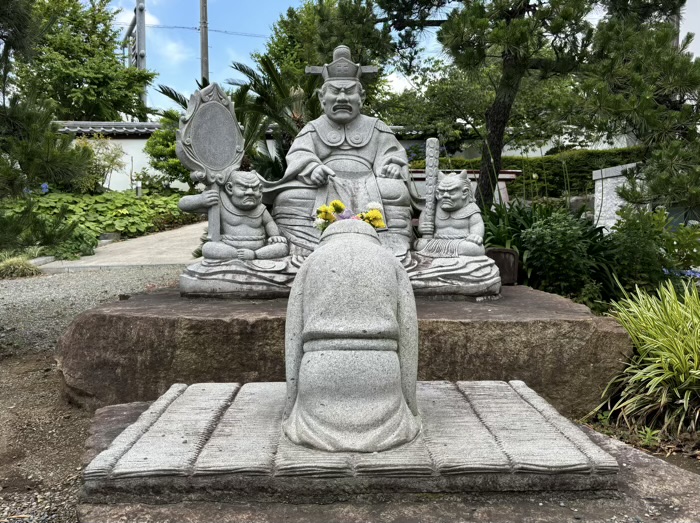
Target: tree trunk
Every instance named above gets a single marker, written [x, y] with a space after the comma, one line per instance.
[497, 117]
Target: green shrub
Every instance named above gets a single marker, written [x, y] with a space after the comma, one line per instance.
[569, 256]
[17, 267]
[566, 173]
[56, 234]
[660, 387]
[648, 247]
[121, 212]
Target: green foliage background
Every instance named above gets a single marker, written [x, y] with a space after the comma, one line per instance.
[569, 172]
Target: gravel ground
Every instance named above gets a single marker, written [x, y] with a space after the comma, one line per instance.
[41, 436]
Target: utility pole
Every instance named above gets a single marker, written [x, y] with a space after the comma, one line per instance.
[204, 40]
[134, 43]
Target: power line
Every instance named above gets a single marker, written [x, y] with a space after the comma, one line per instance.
[232, 33]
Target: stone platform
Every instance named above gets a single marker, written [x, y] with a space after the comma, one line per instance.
[135, 349]
[223, 443]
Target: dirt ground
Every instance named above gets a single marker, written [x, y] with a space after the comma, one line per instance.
[41, 442]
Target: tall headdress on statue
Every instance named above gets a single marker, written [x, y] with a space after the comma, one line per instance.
[342, 67]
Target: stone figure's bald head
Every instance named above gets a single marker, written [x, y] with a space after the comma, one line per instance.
[245, 189]
[454, 192]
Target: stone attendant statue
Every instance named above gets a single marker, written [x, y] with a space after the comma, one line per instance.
[343, 155]
[247, 229]
[457, 228]
[450, 257]
[351, 345]
[246, 254]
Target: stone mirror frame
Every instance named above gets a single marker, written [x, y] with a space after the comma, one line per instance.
[210, 143]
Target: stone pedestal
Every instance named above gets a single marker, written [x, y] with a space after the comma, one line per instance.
[223, 442]
[134, 350]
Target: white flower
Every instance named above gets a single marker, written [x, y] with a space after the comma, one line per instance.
[318, 222]
[535, 177]
[374, 205]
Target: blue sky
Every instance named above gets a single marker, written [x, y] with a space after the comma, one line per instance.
[174, 53]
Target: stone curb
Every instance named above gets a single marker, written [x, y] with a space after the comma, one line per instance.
[84, 268]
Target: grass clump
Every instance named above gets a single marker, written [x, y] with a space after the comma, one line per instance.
[17, 267]
[660, 387]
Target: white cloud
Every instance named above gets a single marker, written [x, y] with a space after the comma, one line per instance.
[172, 52]
[398, 82]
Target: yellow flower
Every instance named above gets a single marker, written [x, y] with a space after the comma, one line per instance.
[337, 206]
[373, 214]
[325, 213]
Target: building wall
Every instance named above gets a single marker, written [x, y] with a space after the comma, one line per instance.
[135, 159]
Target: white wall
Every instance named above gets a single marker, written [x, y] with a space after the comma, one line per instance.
[135, 159]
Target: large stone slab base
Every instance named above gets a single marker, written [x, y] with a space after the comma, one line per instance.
[223, 442]
[650, 490]
[134, 350]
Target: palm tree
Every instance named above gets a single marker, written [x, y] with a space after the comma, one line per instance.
[283, 107]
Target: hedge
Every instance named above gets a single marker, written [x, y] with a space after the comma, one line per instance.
[569, 172]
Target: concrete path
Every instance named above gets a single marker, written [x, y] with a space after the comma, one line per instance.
[162, 248]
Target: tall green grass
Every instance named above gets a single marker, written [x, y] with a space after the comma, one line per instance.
[660, 387]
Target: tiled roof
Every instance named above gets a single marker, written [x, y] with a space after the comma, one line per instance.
[109, 128]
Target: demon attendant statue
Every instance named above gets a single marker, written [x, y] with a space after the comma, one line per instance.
[351, 344]
[450, 256]
[343, 155]
[245, 255]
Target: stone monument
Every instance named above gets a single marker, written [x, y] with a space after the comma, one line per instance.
[351, 343]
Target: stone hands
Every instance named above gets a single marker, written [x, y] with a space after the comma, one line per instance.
[210, 198]
[277, 239]
[475, 238]
[426, 229]
[393, 167]
[319, 176]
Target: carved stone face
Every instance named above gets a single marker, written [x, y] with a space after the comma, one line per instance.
[245, 192]
[452, 194]
[341, 100]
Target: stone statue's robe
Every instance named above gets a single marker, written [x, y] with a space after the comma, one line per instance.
[351, 346]
[356, 152]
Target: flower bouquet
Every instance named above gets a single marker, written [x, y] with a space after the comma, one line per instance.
[336, 210]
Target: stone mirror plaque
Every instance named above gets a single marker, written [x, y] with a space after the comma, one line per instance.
[210, 138]
[213, 137]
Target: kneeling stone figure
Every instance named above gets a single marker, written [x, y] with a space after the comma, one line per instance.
[351, 346]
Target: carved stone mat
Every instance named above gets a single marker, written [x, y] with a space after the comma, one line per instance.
[223, 442]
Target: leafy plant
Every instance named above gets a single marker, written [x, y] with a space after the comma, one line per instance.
[560, 259]
[660, 386]
[640, 258]
[107, 157]
[160, 148]
[648, 437]
[121, 212]
[17, 267]
[56, 234]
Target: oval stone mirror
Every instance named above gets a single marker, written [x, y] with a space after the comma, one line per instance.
[214, 133]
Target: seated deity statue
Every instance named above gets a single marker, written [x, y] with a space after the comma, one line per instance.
[457, 228]
[247, 229]
[351, 346]
[450, 257]
[343, 155]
